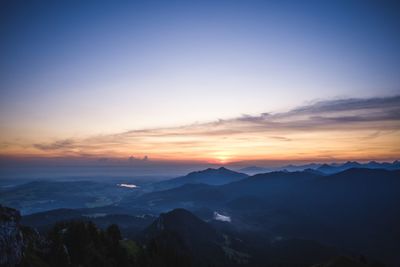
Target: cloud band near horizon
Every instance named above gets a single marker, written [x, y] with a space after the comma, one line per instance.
[323, 130]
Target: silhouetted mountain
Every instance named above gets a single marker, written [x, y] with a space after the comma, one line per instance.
[276, 218]
[324, 168]
[188, 235]
[272, 183]
[338, 209]
[327, 169]
[188, 226]
[185, 196]
[395, 165]
[217, 244]
[209, 176]
[251, 170]
[268, 184]
[313, 171]
[293, 168]
[351, 164]
[335, 168]
[330, 169]
[176, 238]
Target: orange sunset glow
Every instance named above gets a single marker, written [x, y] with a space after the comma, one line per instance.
[254, 83]
[357, 129]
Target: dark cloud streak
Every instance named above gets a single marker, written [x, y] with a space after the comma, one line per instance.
[374, 114]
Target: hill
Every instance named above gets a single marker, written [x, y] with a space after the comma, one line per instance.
[209, 176]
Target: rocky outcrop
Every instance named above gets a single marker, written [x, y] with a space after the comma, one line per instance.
[11, 237]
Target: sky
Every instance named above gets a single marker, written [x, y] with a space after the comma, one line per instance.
[207, 81]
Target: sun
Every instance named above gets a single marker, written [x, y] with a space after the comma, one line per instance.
[222, 157]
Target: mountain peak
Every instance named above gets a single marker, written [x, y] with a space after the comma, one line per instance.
[253, 170]
[220, 169]
[171, 218]
[179, 220]
[177, 214]
[208, 176]
[184, 223]
[212, 176]
[325, 165]
[351, 163]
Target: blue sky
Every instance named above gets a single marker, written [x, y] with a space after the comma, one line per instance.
[71, 69]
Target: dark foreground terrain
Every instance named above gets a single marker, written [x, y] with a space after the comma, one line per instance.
[176, 238]
[216, 217]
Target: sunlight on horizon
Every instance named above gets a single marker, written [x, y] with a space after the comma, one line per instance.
[209, 81]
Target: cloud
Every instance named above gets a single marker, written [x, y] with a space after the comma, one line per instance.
[350, 105]
[324, 114]
[222, 218]
[135, 159]
[323, 128]
[57, 145]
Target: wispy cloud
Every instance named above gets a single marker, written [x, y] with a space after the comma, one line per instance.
[355, 127]
[57, 145]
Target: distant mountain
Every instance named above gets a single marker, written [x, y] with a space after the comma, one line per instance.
[222, 176]
[304, 184]
[330, 209]
[335, 168]
[269, 184]
[185, 196]
[269, 187]
[330, 169]
[325, 168]
[251, 170]
[190, 196]
[313, 171]
[277, 218]
[395, 165]
[293, 168]
[209, 176]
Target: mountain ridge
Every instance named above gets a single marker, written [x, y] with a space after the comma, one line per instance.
[209, 176]
[326, 168]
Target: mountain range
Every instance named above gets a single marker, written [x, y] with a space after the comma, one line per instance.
[332, 209]
[209, 176]
[325, 167]
[226, 218]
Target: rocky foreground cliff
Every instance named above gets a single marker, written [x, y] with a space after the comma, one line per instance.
[11, 237]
